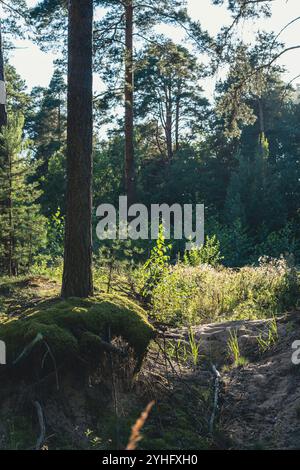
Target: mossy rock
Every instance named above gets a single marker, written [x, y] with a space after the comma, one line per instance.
[73, 329]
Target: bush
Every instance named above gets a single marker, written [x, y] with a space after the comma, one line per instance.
[190, 295]
[156, 265]
[209, 253]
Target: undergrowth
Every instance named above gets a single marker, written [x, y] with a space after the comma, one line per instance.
[203, 294]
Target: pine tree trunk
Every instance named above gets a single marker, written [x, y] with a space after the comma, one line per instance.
[3, 115]
[77, 276]
[169, 125]
[177, 118]
[11, 241]
[6, 204]
[129, 84]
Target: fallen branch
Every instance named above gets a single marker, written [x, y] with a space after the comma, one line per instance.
[28, 348]
[54, 363]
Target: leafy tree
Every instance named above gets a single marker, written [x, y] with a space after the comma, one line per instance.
[157, 263]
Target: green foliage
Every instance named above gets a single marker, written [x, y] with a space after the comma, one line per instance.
[194, 347]
[167, 66]
[280, 243]
[55, 235]
[267, 341]
[22, 227]
[46, 125]
[209, 253]
[116, 257]
[157, 264]
[233, 346]
[236, 245]
[188, 296]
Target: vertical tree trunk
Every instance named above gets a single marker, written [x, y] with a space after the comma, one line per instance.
[129, 84]
[261, 117]
[169, 124]
[3, 115]
[177, 118]
[5, 163]
[77, 275]
[11, 241]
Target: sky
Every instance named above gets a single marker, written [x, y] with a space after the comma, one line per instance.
[36, 67]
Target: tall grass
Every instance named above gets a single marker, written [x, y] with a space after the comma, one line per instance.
[190, 295]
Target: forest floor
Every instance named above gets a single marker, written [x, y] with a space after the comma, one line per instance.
[225, 385]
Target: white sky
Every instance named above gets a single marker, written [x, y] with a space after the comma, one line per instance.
[36, 67]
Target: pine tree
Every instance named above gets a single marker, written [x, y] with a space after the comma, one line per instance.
[77, 275]
[46, 126]
[115, 35]
[22, 228]
[169, 96]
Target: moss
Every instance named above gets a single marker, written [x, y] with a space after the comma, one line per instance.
[70, 325]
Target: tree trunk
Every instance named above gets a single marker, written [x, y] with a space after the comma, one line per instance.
[5, 163]
[261, 117]
[129, 84]
[3, 115]
[177, 118]
[11, 241]
[169, 124]
[77, 275]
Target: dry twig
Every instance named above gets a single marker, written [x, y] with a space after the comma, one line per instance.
[136, 436]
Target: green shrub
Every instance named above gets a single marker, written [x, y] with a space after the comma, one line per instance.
[190, 295]
[157, 264]
[209, 253]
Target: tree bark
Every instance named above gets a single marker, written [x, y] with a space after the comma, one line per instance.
[129, 84]
[6, 163]
[77, 275]
[3, 114]
[169, 124]
[177, 118]
[261, 117]
[11, 240]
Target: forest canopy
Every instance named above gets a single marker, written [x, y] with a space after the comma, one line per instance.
[235, 152]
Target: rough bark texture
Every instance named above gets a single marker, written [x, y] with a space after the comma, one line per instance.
[77, 276]
[6, 162]
[169, 124]
[3, 115]
[129, 84]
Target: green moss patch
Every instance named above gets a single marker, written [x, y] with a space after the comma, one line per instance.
[75, 329]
